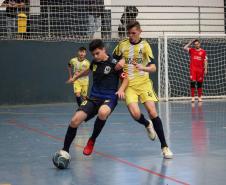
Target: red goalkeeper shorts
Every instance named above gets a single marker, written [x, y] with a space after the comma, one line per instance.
[197, 75]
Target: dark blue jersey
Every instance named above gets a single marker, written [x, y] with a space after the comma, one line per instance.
[105, 79]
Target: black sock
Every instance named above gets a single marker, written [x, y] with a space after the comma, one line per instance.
[143, 121]
[157, 123]
[98, 126]
[79, 100]
[69, 137]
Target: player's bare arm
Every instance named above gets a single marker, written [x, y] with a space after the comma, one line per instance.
[70, 71]
[122, 88]
[120, 64]
[6, 5]
[149, 68]
[83, 73]
[206, 66]
[20, 5]
[187, 46]
[79, 75]
[15, 5]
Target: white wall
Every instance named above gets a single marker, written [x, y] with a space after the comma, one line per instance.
[152, 25]
[170, 2]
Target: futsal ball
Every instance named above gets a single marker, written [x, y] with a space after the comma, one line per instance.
[61, 159]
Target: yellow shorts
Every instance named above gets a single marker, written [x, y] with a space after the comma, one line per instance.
[143, 92]
[81, 88]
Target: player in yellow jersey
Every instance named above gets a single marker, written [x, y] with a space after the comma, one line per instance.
[78, 65]
[137, 63]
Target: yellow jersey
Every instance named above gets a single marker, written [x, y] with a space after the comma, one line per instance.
[79, 66]
[140, 53]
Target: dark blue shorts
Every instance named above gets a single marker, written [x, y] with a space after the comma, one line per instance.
[91, 106]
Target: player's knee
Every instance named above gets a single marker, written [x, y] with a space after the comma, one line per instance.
[193, 84]
[78, 94]
[152, 114]
[199, 84]
[136, 115]
[103, 114]
[75, 122]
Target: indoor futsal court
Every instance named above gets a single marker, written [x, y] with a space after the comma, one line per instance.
[123, 153]
[112, 92]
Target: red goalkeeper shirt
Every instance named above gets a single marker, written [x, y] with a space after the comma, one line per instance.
[197, 59]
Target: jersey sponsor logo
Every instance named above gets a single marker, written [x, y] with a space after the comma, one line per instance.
[197, 57]
[134, 61]
[200, 53]
[107, 70]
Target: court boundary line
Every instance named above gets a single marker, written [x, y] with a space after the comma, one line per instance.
[108, 156]
[119, 102]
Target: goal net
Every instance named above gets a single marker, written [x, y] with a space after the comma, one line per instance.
[174, 74]
[58, 20]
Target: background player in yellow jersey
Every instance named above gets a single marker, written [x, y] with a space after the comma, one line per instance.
[139, 62]
[79, 64]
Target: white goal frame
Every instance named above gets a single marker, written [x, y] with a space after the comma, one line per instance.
[164, 51]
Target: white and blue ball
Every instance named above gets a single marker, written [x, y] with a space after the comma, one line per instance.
[61, 159]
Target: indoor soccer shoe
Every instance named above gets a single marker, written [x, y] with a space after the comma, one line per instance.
[151, 131]
[89, 147]
[166, 152]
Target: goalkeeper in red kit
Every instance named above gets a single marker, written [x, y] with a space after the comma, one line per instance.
[198, 67]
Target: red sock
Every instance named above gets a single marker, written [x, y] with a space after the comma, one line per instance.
[199, 92]
[192, 92]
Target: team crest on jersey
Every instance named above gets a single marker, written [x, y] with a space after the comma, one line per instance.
[107, 70]
[140, 54]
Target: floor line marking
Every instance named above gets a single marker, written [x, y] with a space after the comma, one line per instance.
[108, 156]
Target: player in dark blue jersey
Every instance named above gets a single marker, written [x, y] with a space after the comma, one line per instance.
[103, 97]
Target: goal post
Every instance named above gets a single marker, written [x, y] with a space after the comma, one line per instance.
[174, 75]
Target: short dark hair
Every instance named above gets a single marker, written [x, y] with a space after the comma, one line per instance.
[96, 44]
[133, 24]
[196, 40]
[82, 49]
